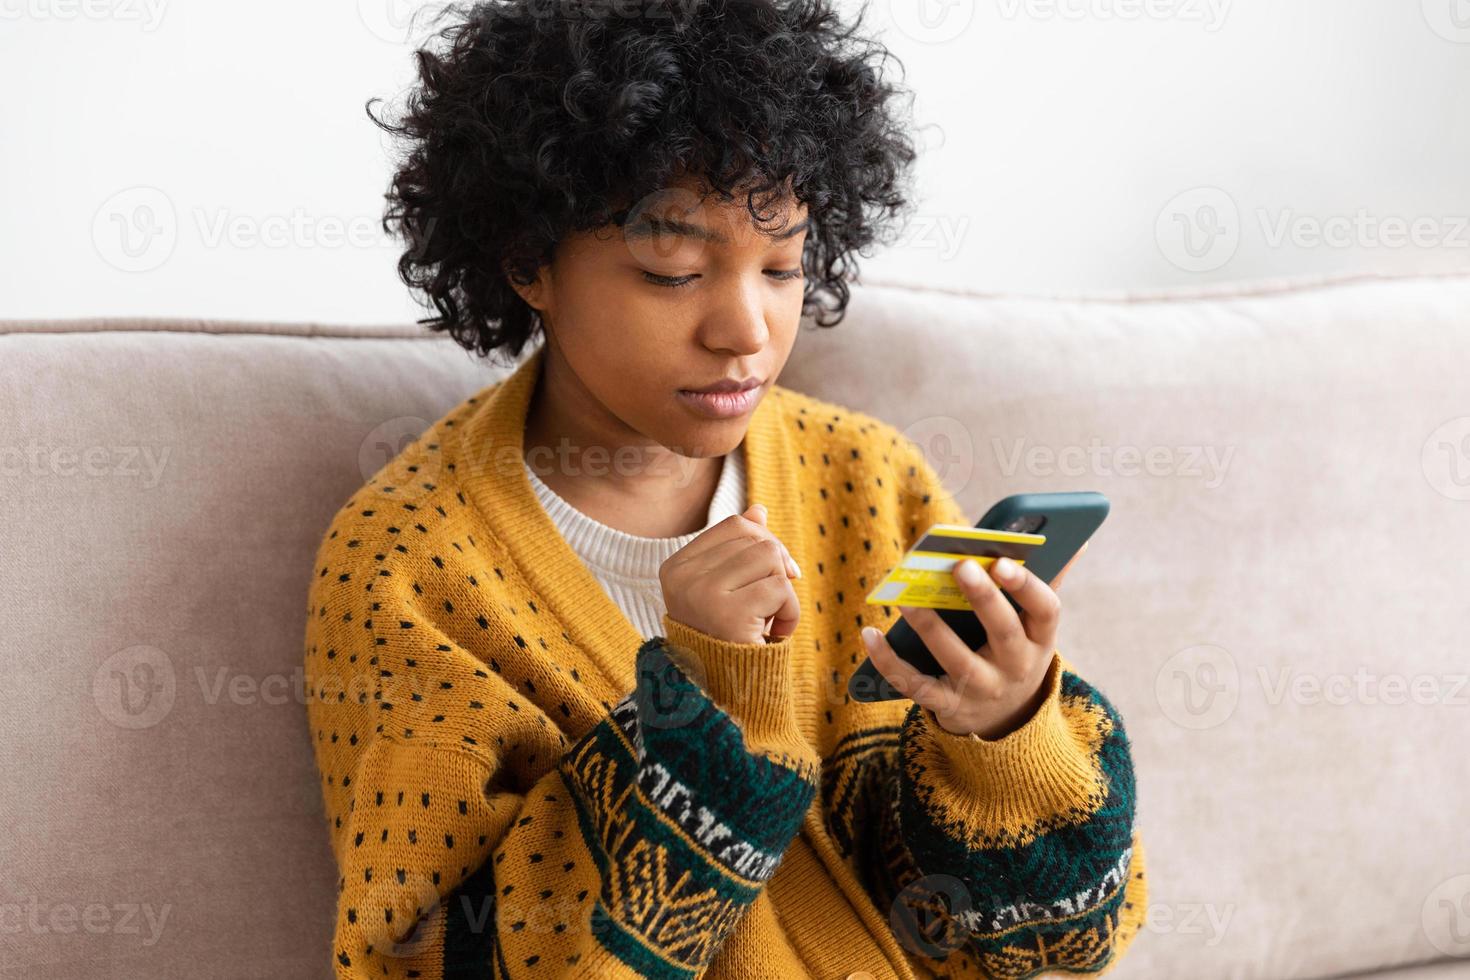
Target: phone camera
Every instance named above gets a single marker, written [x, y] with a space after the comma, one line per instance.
[1029, 524]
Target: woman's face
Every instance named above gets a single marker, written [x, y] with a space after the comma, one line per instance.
[685, 294]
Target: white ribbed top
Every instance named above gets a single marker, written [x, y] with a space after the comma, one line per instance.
[627, 564]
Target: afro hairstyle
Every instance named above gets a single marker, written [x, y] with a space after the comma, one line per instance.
[537, 119]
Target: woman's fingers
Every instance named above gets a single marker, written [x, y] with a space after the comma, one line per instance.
[720, 554]
[757, 514]
[770, 591]
[741, 566]
[1004, 632]
[964, 667]
[1040, 608]
[749, 526]
[715, 544]
[921, 688]
[756, 572]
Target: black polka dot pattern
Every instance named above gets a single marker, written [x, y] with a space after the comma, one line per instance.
[467, 740]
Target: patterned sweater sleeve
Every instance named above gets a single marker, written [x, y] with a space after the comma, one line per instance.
[631, 851]
[1010, 857]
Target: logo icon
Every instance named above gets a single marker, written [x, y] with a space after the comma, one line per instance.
[135, 687]
[1198, 687]
[1445, 458]
[1450, 19]
[392, 474]
[1199, 230]
[135, 230]
[1446, 916]
[932, 21]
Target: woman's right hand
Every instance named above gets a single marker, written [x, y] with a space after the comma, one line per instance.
[733, 581]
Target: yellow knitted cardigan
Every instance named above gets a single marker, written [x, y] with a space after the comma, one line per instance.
[517, 784]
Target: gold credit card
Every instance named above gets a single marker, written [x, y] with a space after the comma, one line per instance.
[925, 576]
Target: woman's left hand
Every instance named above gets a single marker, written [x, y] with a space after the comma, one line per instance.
[992, 691]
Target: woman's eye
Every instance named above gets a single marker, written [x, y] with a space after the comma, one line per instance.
[672, 282]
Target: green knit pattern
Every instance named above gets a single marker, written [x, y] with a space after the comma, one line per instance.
[686, 824]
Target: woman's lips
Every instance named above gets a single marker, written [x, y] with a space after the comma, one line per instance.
[722, 405]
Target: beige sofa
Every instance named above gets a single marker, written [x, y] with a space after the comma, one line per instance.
[1277, 604]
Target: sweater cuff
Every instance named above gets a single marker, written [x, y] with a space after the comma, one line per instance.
[1042, 767]
[751, 682]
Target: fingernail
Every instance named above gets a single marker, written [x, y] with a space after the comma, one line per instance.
[1007, 569]
[869, 637]
[968, 572]
[797, 567]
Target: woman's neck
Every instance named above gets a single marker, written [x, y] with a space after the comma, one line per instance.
[643, 489]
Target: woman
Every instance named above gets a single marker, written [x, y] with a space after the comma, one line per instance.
[578, 656]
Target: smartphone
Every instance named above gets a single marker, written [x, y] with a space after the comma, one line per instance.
[1067, 520]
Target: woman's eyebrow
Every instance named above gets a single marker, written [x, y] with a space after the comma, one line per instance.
[651, 225]
[794, 231]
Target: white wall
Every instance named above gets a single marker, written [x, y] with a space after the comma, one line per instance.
[1079, 139]
[1069, 145]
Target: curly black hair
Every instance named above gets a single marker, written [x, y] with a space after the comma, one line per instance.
[542, 118]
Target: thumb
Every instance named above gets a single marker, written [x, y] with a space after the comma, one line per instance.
[783, 623]
[757, 513]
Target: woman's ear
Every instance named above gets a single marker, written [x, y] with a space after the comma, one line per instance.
[537, 292]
